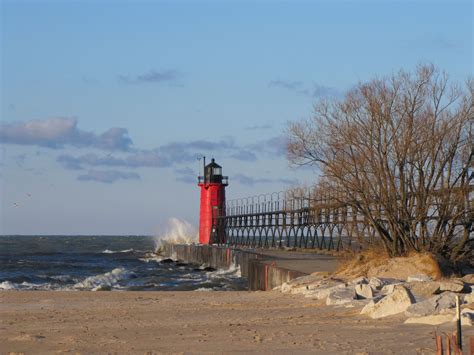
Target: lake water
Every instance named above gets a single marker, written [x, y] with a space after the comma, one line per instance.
[102, 263]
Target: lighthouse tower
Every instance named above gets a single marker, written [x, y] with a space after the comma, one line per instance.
[212, 186]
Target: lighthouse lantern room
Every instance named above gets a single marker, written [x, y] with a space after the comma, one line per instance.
[212, 185]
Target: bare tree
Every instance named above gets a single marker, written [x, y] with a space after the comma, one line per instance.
[399, 151]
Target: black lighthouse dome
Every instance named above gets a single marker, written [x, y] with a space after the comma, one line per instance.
[213, 172]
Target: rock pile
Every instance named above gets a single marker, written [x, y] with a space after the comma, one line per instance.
[421, 299]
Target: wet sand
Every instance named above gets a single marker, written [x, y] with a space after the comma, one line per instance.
[198, 322]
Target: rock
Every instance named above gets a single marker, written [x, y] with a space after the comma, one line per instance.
[359, 281]
[451, 311]
[324, 290]
[467, 317]
[451, 285]
[419, 278]
[364, 291]
[469, 279]
[356, 303]
[167, 261]
[323, 274]
[420, 309]
[396, 302]
[432, 305]
[388, 289]
[340, 296]
[368, 307]
[446, 300]
[303, 284]
[424, 289]
[469, 298]
[431, 320]
[376, 283]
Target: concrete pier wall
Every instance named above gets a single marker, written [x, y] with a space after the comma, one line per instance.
[260, 270]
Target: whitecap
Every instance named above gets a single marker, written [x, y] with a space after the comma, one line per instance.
[109, 279]
[151, 257]
[107, 251]
[8, 285]
[232, 272]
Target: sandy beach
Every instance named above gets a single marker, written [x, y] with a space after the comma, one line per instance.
[197, 322]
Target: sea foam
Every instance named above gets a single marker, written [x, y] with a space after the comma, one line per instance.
[104, 281]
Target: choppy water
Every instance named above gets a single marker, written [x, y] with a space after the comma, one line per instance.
[101, 263]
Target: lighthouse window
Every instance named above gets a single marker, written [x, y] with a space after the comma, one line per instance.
[217, 171]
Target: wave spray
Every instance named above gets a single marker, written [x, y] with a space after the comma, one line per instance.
[177, 231]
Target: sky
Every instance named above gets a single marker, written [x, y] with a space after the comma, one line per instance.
[107, 105]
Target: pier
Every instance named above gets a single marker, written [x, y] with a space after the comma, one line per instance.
[264, 269]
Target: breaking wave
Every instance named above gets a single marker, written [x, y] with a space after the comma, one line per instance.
[221, 280]
[105, 281]
[7, 285]
[178, 231]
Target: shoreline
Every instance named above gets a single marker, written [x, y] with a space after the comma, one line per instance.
[198, 322]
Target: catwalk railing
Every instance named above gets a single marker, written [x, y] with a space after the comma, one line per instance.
[283, 220]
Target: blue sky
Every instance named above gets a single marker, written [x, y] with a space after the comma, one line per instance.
[106, 105]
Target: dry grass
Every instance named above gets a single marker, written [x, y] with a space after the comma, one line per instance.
[375, 262]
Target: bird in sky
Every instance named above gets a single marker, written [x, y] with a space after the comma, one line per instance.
[16, 204]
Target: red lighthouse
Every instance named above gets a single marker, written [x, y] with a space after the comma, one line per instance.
[212, 186]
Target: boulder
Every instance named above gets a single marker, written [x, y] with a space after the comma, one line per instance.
[360, 281]
[431, 320]
[451, 311]
[323, 290]
[388, 289]
[303, 284]
[467, 317]
[419, 278]
[376, 283]
[469, 279]
[424, 289]
[420, 309]
[364, 291]
[323, 274]
[446, 300]
[396, 302]
[341, 295]
[285, 287]
[431, 306]
[469, 298]
[357, 303]
[454, 285]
